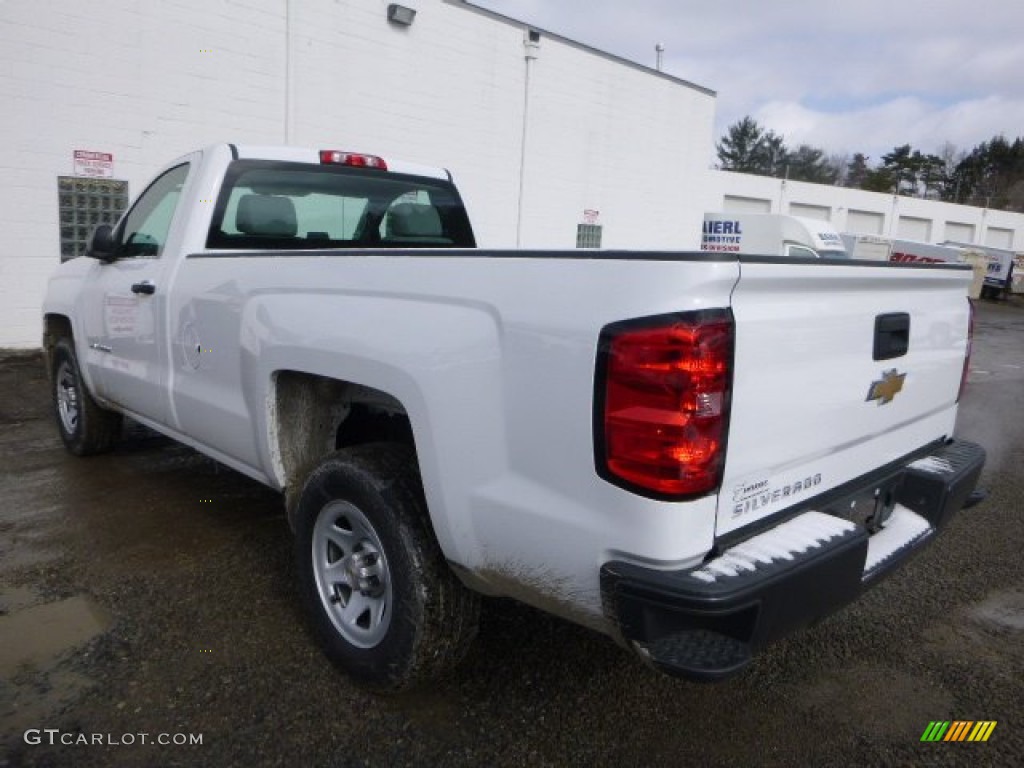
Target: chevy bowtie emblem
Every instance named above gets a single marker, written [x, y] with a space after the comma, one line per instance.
[890, 385]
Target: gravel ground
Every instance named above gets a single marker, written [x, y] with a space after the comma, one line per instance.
[150, 591]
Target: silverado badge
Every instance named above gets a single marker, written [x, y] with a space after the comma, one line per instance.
[890, 385]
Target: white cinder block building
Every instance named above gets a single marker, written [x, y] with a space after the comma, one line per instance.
[542, 133]
[537, 129]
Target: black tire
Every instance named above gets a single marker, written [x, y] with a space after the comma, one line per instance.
[84, 426]
[391, 612]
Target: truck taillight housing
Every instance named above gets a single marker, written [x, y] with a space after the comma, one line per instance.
[967, 353]
[663, 387]
[352, 159]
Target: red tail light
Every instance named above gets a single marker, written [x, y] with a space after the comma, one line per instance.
[663, 388]
[967, 355]
[354, 159]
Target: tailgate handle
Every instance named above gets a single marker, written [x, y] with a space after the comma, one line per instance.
[892, 335]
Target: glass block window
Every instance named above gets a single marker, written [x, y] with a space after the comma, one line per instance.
[588, 235]
[84, 204]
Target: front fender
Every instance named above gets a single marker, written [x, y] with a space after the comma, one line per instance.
[64, 298]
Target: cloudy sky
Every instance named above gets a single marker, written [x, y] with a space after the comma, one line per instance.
[850, 76]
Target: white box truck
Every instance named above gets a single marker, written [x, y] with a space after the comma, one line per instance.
[771, 234]
[880, 248]
[867, 247]
[999, 272]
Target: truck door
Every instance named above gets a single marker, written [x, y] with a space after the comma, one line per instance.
[126, 337]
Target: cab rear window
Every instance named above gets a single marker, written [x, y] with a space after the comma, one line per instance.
[296, 206]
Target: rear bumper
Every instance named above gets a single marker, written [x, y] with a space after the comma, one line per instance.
[707, 623]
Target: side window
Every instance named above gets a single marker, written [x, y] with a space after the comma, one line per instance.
[800, 251]
[144, 230]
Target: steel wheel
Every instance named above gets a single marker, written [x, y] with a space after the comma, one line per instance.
[85, 428]
[67, 397]
[351, 571]
[387, 607]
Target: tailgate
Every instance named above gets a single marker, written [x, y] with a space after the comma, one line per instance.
[823, 391]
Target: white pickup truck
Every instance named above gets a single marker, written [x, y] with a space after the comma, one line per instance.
[694, 453]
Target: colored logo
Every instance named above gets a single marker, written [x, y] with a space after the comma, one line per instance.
[958, 730]
[890, 385]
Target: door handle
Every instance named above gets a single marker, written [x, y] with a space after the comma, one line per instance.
[892, 336]
[145, 287]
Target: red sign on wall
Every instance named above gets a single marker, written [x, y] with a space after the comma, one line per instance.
[99, 165]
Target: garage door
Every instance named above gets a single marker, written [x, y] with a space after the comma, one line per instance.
[864, 222]
[913, 228]
[822, 212]
[736, 204]
[999, 238]
[959, 232]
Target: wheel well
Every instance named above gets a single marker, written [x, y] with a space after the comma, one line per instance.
[314, 416]
[55, 327]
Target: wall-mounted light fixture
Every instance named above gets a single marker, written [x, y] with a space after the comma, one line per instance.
[401, 15]
[531, 40]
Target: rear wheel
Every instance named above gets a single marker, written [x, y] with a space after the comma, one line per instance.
[84, 426]
[386, 606]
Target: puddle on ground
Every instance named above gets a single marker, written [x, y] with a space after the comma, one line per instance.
[16, 598]
[37, 642]
[31, 701]
[852, 695]
[1003, 610]
[37, 636]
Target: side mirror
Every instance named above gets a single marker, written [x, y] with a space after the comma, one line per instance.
[101, 244]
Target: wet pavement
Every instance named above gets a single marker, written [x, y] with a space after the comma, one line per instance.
[150, 591]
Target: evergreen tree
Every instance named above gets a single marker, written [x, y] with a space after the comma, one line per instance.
[879, 179]
[857, 171]
[748, 148]
[990, 175]
[903, 166]
[809, 163]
